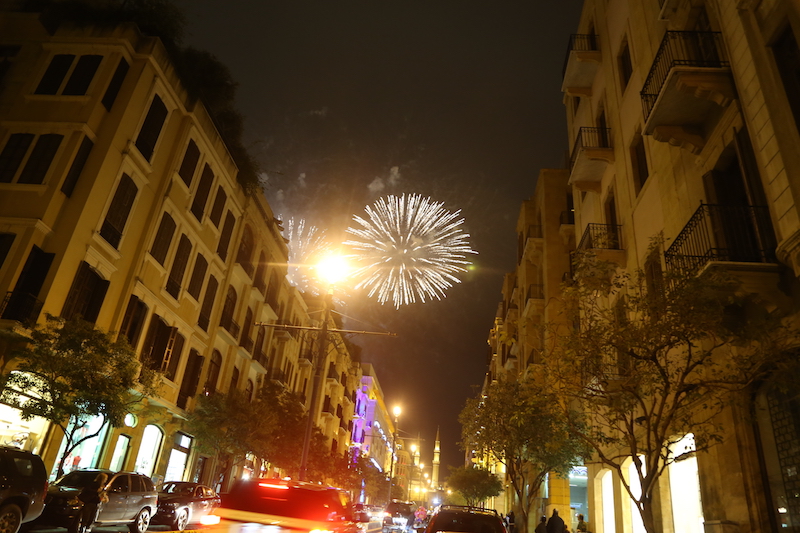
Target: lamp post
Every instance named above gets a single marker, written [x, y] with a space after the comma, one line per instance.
[396, 411]
[330, 269]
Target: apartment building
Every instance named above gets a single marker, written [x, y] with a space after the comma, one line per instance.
[119, 202]
[683, 121]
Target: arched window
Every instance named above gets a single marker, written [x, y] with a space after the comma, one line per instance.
[226, 321]
[258, 349]
[245, 255]
[148, 450]
[260, 279]
[246, 342]
[214, 367]
[249, 390]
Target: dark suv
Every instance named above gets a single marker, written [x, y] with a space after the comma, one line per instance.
[23, 485]
[132, 500]
[464, 519]
[398, 516]
[284, 506]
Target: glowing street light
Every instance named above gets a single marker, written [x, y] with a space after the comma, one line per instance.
[332, 269]
[396, 412]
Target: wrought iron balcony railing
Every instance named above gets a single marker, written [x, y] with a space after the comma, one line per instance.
[601, 237]
[230, 325]
[22, 307]
[581, 43]
[723, 233]
[702, 49]
[589, 138]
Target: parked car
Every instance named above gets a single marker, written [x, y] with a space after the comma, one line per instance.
[23, 486]
[181, 503]
[132, 500]
[398, 516]
[464, 519]
[285, 506]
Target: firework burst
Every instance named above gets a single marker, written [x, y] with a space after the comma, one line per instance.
[307, 244]
[408, 248]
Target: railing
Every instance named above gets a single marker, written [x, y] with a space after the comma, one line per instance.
[701, 49]
[723, 233]
[21, 306]
[601, 236]
[579, 43]
[567, 217]
[246, 343]
[278, 375]
[589, 138]
[230, 325]
[261, 285]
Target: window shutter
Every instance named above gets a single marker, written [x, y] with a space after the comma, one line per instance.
[208, 303]
[118, 211]
[198, 275]
[77, 166]
[86, 295]
[133, 322]
[116, 84]
[201, 195]
[151, 128]
[189, 164]
[163, 238]
[172, 358]
[219, 205]
[179, 266]
[225, 236]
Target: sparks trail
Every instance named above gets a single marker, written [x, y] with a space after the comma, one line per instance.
[408, 248]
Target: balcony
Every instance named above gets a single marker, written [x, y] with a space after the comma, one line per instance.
[580, 65]
[22, 307]
[283, 334]
[247, 344]
[687, 88]
[230, 325]
[534, 301]
[278, 376]
[723, 233]
[533, 241]
[606, 242]
[591, 154]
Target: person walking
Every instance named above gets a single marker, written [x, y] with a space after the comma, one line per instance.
[512, 528]
[555, 524]
[581, 527]
[93, 496]
[541, 527]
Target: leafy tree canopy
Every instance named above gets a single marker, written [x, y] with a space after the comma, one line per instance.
[475, 484]
[70, 372]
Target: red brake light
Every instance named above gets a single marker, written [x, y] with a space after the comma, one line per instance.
[273, 486]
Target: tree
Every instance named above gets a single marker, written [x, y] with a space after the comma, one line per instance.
[520, 424]
[70, 372]
[475, 484]
[648, 359]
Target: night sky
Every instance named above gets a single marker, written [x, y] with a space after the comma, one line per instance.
[458, 100]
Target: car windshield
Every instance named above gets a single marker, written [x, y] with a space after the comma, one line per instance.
[177, 488]
[283, 500]
[402, 508]
[78, 478]
[466, 523]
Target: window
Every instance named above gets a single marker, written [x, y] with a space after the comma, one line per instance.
[78, 75]
[7, 54]
[625, 65]
[226, 321]
[213, 372]
[246, 342]
[179, 266]
[116, 84]
[159, 344]
[201, 194]
[191, 377]
[23, 305]
[38, 161]
[114, 224]
[6, 240]
[259, 281]
[86, 295]
[151, 128]
[639, 162]
[787, 59]
[219, 205]
[77, 166]
[208, 303]
[163, 238]
[225, 236]
[133, 322]
[245, 255]
[234, 380]
[189, 164]
[198, 275]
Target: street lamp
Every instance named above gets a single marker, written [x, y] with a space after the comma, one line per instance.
[396, 411]
[330, 269]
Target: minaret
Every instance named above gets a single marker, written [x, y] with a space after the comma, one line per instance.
[435, 473]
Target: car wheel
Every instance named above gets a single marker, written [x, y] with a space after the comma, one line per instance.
[181, 519]
[141, 523]
[10, 518]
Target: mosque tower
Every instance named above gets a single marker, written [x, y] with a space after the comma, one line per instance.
[435, 473]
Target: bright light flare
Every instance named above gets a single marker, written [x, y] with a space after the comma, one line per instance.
[409, 248]
[333, 269]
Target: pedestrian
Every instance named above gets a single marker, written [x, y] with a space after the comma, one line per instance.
[555, 524]
[510, 521]
[541, 527]
[581, 527]
[93, 496]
